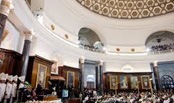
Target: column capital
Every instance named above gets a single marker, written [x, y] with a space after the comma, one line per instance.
[101, 62]
[28, 35]
[6, 7]
[82, 59]
[155, 63]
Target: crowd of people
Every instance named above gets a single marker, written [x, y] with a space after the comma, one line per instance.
[165, 47]
[129, 97]
[91, 48]
[15, 89]
[89, 96]
[8, 87]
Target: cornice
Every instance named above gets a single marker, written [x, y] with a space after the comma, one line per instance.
[59, 45]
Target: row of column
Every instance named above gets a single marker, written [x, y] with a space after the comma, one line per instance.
[5, 8]
[98, 76]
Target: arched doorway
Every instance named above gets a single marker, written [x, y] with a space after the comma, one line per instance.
[90, 81]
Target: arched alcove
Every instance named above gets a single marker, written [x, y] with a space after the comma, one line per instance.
[89, 40]
[160, 41]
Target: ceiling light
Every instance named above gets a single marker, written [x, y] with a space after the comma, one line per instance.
[147, 49]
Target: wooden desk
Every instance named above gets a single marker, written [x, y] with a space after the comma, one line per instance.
[73, 100]
[50, 98]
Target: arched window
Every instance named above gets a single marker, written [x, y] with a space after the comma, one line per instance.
[167, 82]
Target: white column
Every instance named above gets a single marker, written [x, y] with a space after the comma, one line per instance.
[33, 45]
[6, 7]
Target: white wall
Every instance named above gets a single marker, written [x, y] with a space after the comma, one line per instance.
[71, 61]
[37, 4]
[13, 41]
[48, 50]
[120, 66]
[49, 43]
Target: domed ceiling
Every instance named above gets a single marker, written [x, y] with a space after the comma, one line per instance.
[129, 9]
[126, 34]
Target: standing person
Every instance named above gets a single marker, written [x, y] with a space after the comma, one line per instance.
[8, 90]
[14, 88]
[39, 91]
[1, 82]
[21, 88]
[33, 94]
[3, 78]
[39, 88]
[22, 82]
[1, 86]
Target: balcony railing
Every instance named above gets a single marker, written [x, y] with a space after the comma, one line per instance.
[91, 48]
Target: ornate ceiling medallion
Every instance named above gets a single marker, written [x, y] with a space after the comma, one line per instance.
[129, 9]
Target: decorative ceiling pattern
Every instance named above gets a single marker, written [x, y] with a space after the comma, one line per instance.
[129, 9]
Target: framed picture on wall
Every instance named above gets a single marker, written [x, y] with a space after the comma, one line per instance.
[54, 68]
[41, 75]
[145, 82]
[113, 82]
[134, 82]
[123, 82]
[70, 78]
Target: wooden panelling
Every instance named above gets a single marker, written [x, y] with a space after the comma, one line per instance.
[33, 67]
[75, 100]
[11, 62]
[63, 72]
[128, 75]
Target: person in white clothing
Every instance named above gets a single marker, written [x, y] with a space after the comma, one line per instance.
[166, 100]
[2, 85]
[22, 83]
[21, 88]
[8, 89]
[14, 87]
